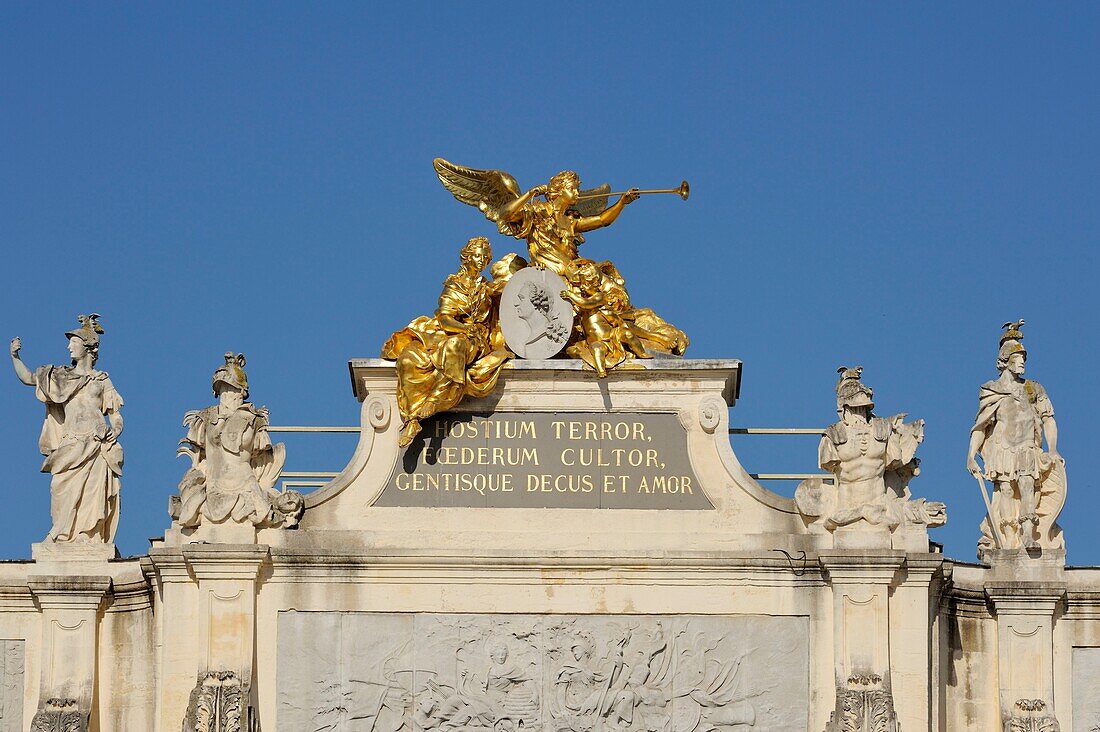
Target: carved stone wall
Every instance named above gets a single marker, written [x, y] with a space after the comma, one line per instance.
[504, 673]
[11, 685]
[1086, 689]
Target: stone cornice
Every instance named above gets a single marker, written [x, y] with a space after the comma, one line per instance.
[865, 567]
[1025, 597]
[57, 592]
[225, 561]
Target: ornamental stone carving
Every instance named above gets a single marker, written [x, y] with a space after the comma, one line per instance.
[60, 715]
[872, 460]
[497, 673]
[82, 451]
[863, 705]
[1031, 715]
[216, 704]
[1014, 416]
[234, 465]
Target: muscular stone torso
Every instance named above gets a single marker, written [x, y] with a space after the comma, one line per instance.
[229, 450]
[1017, 424]
[862, 457]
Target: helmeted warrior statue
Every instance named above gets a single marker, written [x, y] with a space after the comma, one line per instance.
[81, 449]
[872, 459]
[1014, 415]
[234, 464]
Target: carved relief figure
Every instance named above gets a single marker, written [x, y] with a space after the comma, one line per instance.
[1014, 415]
[234, 465]
[441, 359]
[82, 451]
[577, 684]
[507, 689]
[873, 460]
[553, 228]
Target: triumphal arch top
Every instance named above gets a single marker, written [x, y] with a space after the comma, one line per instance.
[544, 527]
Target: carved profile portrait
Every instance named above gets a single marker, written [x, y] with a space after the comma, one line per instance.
[534, 318]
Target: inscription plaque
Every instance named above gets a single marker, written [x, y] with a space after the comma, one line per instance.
[556, 460]
[381, 672]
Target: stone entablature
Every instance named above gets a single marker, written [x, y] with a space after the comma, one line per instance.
[533, 601]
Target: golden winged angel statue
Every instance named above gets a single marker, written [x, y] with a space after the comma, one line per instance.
[459, 351]
[552, 219]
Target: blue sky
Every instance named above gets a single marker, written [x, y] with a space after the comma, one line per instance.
[881, 184]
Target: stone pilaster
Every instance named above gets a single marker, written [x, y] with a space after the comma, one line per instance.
[70, 607]
[1026, 594]
[209, 593]
[861, 585]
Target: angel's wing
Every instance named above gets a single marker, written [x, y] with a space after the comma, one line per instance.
[488, 190]
[593, 206]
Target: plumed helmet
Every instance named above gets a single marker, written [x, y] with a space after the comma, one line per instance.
[89, 330]
[850, 391]
[232, 373]
[1010, 342]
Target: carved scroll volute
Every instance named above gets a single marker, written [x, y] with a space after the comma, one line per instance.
[378, 412]
[711, 411]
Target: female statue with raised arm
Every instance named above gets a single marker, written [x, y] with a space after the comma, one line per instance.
[82, 451]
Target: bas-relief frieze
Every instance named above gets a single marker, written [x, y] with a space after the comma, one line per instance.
[11, 702]
[380, 672]
[1086, 689]
[558, 460]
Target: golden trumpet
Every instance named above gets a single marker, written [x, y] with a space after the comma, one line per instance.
[683, 191]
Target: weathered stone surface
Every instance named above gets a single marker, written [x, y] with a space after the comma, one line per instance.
[566, 672]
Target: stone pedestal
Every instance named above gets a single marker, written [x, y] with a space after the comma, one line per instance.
[1026, 592]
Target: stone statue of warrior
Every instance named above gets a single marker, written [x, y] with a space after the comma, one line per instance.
[81, 449]
[1014, 415]
[861, 448]
[234, 465]
[872, 460]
